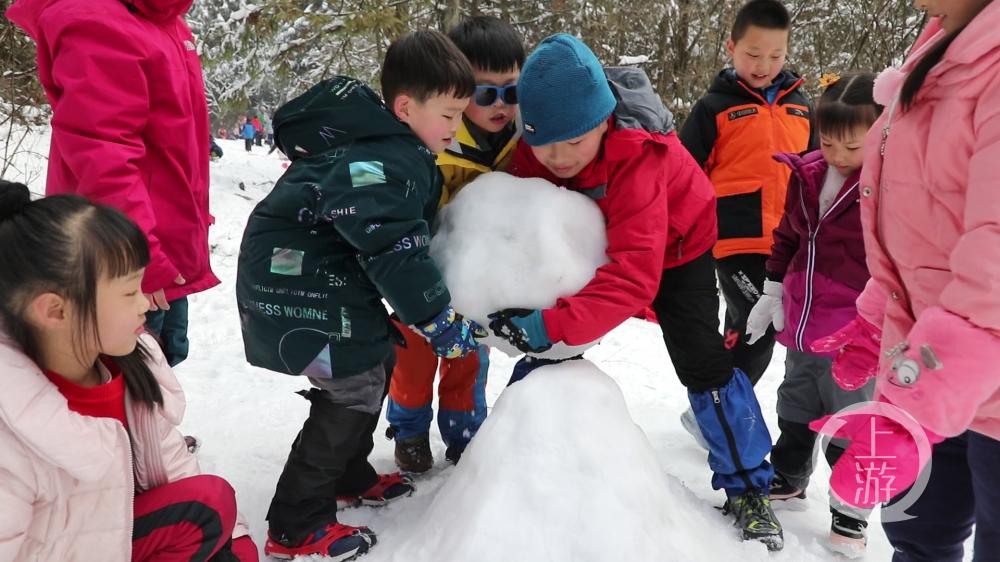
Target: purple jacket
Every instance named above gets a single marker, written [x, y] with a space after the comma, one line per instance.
[821, 260]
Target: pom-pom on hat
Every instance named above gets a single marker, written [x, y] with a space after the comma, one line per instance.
[562, 91]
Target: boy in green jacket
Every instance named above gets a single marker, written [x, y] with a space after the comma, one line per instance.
[347, 226]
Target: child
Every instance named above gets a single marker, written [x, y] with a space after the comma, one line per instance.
[130, 129]
[609, 137]
[816, 272]
[930, 213]
[751, 112]
[93, 465]
[347, 225]
[484, 142]
[258, 129]
[248, 133]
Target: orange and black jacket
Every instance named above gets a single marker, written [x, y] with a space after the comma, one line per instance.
[733, 133]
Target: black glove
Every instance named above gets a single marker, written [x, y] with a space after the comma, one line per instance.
[522, 327]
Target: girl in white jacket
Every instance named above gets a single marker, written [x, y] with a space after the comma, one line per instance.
[93, 466]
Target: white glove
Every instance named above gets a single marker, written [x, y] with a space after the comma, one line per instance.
[767, 311]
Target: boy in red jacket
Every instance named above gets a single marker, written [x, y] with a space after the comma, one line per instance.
[607, 135]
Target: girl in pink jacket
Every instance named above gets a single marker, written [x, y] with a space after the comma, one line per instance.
[928, 326]
[93, 465]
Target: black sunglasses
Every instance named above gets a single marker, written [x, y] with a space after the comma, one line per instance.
[486, 96]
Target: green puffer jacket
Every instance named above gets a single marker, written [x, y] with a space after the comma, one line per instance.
[346, 226]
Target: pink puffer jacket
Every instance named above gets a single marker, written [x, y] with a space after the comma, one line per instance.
[931, 213]
[67, 483]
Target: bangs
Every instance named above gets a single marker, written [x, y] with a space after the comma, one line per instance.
[112, 245]
[490, 44]
[839, 120]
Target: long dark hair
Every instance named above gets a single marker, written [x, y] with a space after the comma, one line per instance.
[917, 76]
[64, 245]
[846, 104]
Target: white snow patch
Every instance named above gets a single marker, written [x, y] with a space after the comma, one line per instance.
[626, 60]
[550, 241]
[587, 489]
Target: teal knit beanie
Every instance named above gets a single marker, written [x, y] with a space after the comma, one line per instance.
[562, 92]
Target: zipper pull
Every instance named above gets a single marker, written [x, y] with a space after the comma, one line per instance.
[715, 396]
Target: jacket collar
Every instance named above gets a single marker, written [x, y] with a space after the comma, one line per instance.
[85, 447]
[969, 48]
[728, 83]
[810, 170]
[37, 413]
[474, 149]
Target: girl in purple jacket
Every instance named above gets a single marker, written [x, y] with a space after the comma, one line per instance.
[814, 275]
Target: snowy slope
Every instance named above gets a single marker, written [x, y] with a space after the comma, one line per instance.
[247, 417]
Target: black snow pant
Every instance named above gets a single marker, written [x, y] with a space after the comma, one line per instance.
[329, 457]
[741, 277]
[963, 491]
[248, 144]
[687, 308]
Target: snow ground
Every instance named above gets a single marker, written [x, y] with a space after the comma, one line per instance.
[247, 418]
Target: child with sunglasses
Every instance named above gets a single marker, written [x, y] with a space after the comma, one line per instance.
[484, 143]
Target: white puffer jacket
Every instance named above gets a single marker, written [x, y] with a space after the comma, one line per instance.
[67, 481]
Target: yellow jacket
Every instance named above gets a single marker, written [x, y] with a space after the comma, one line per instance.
[468, 157]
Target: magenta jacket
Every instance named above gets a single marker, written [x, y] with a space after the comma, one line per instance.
[130, 122]
[820, 259]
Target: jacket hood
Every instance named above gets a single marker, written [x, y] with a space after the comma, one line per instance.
[25, 13]
[331, 114]
[810, 168]
[728, 83]
[161, 10]
[639, 107]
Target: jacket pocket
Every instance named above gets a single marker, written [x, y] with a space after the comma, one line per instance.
[740, 215]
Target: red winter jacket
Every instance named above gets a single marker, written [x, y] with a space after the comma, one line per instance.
[659, 210]
[130, 122]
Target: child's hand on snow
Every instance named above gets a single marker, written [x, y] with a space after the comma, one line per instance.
[766, 312]
[523, 328]
[451, 335]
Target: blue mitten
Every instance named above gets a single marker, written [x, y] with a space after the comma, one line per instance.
[522, 327]
[451, 335]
